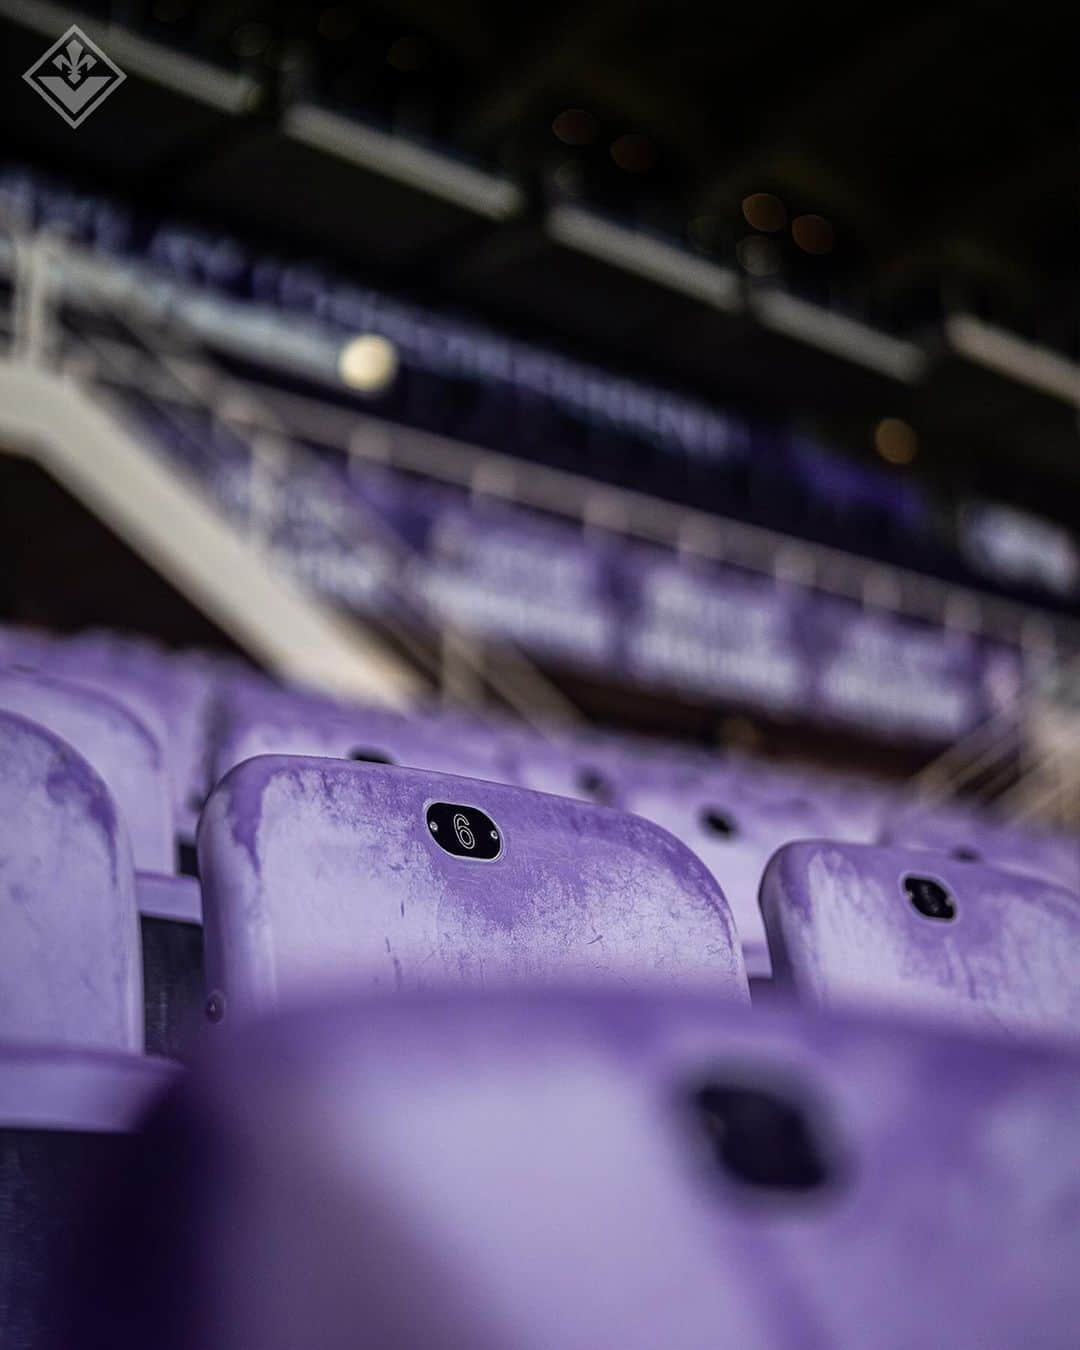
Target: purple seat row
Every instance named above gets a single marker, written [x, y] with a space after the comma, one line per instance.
[733, 815]
[316, 869]
[334, 868]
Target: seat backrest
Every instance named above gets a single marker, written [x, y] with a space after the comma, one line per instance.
[122, 749]
[734, 823]
[874, 924]
[585, 767]
[69, 935]
[169, 692]
[975, 837]
[600, 1170]
[396, 878]
[256, 721]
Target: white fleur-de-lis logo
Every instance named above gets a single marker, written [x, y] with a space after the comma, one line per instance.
[74, 60]
[74, 76]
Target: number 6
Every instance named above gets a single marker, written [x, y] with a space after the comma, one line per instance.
[465, 836]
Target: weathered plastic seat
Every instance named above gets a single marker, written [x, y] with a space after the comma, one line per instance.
[123, 750]
[975, 837]
[905, 927]
[69, 931]
[115, 741]
[734, 823]
[257, 720]
[588, 767]
[170, 692]
[584, 1170]
[314, 869]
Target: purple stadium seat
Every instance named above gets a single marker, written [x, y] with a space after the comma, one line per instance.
[974, 836]
[854, 806]
[400, 879]
[265, 720]
[734, 822]
[585, 766]
[858, 923]
[170, 692]
[119, 745]
[857, 810]
[584, 1171]
[69, 931]
[178, 692]
[114, 740]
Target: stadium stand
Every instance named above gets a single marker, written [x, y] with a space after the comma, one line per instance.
[308, 864]
[539, 678]
[288, 323]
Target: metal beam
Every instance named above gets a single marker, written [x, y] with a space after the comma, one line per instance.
[167, 521]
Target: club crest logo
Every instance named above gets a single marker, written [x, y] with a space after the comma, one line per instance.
[74, 76]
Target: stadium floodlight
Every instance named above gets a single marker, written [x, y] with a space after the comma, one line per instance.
[368, 363]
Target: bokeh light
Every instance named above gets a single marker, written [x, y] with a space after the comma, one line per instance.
[813, 234]
[896, 440]
[758, 256]
[634, 153]
[764, 211]
[575, 126]
[368, 363]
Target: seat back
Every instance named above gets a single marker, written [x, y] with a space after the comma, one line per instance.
[395, 878]
[734, 824]
[69, 934]
[122, 749]
[585, 766]
[974, 837]
[586, 1170]
[874, 924]
[170, 692]
[254, 721]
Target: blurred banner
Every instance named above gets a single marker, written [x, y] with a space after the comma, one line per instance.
[714, 631]
[588, 600]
